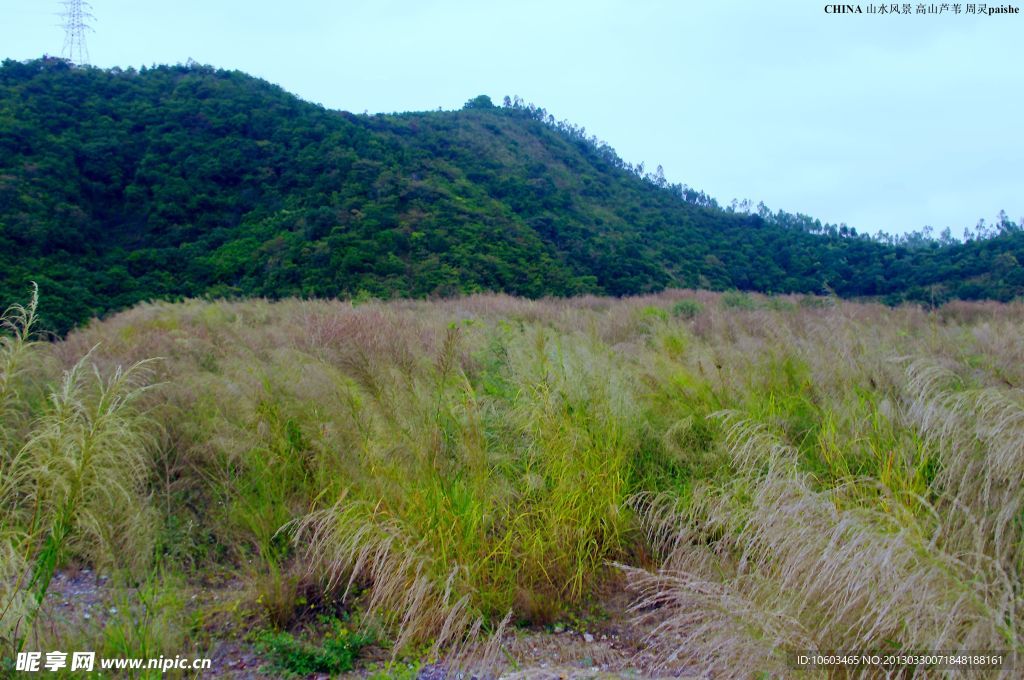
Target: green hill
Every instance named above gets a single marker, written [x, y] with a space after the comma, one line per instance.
[121, 186]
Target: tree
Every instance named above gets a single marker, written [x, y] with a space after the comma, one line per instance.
[479, 102]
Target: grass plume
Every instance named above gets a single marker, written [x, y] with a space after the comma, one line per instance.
[768, 473]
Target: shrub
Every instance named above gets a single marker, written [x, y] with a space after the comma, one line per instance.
[652, 312]
[335, 652]
[737, 300]
[687, 309]
[779, 304]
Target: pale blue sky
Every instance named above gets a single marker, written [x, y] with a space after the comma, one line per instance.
[880, 122]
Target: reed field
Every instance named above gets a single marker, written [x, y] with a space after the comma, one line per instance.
[313, 479]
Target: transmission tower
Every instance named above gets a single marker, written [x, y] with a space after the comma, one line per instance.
[76, 15]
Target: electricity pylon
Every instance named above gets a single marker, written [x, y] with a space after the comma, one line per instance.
[76, 15]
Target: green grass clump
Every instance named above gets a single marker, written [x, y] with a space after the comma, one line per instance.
[737, 300]
[335, 652]
[687, 309]
[463, 507]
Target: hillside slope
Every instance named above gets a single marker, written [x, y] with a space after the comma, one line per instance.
[120, 186]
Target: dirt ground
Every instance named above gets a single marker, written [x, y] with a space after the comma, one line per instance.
[607, 645]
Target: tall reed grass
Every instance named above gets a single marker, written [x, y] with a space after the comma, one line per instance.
[771, 474]
[73, 488]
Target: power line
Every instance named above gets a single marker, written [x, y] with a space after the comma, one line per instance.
[76, 15]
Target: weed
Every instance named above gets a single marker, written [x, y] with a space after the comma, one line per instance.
[334, 652]
[687, 309]
[396, 670]
[74, 488]
[738, 300]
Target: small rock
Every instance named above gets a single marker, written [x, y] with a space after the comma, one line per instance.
[587, 637]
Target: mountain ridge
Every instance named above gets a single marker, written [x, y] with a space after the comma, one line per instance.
[118, 186]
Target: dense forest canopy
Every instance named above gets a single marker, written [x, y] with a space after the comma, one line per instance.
[118, 186]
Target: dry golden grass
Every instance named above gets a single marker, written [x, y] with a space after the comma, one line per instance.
[770, 474]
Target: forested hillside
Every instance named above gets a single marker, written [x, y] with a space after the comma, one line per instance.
[121, 186]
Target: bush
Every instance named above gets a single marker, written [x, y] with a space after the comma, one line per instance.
[652, 312]
[687, 309]
[737, 300]
[335, 653]
[778, 304]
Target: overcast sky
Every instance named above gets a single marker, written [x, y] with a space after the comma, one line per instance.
[881, 122]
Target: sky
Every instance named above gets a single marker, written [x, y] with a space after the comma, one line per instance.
[879, 122]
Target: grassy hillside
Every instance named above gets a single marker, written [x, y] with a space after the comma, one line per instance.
[123, 186]
[762, 474]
